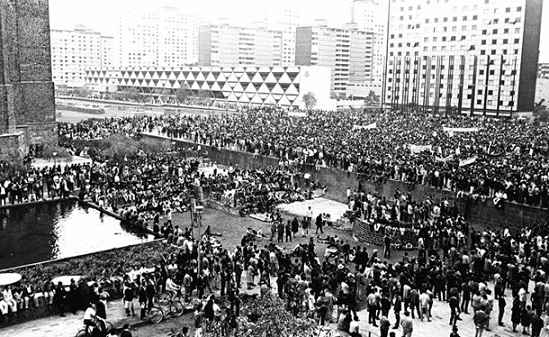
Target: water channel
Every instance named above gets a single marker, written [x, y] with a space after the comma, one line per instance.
[41, 232]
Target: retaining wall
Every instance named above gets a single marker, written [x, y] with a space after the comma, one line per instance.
[478, 212]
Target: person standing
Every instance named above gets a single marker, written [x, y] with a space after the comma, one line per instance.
[304, 227]
[128, 299]
[397, 307]
[373, 305]
[309, 217]
[480, 318]
[537, 324]
[289, 231]
[273, 230]
[386, 246]
[424, 300]
[501, 306]
[454, 309]
[319, 224]
[384, 326]
[280, 232]
[73, 296]
[295, 226]
[407, 325]
[59, 298]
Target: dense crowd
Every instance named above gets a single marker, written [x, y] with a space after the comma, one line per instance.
[504, 158]
[470, 270]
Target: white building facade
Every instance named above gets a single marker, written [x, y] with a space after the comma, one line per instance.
[283, 16]
[76, 50]
[372, 16]
[474, 56]
[150, 35]
[347, 52]
[226, 46]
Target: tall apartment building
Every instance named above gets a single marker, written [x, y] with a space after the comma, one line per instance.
[283, 16]
[543, 70]
[74, 51]
[226, 46]
[474, 56]
[151, 35]
[347, 51]
[372, 16]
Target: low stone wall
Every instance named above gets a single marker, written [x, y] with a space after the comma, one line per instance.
[476, 211]
[362, 233]
[87, 110]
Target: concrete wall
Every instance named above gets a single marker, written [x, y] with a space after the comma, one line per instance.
[476, 211]
[26, 89]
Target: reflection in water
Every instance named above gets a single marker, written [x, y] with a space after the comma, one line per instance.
[49, 231]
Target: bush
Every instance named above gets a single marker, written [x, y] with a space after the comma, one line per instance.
[92, 266]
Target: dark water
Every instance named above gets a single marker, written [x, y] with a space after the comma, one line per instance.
[36, 233]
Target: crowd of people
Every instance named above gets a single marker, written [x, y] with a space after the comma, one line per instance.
[501, 157]
[473, 271]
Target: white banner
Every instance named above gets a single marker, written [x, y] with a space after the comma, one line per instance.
[460, 129]
[365, 127]
[467, 161]
[297, 114]
[420, 148]
[449, 158]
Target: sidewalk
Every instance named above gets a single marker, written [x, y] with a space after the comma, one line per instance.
[56, 326]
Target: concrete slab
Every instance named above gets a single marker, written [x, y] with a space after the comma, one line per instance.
[318, 205]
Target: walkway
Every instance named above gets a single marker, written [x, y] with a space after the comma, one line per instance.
[318, 205]
[55, 326]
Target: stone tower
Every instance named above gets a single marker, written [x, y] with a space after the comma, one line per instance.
[27, 104]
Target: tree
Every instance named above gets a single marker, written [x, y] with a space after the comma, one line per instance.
[182, 94]
[83, 91]
[372, 99]
[310, 100]
[164, 95]
[266, 316]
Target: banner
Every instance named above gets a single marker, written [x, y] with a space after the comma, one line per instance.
[460, 129]
[420, 148]
[444, 160]
[365, 127]
[297, 114]
[467, 161]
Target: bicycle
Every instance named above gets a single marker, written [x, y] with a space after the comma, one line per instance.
[329, 332]
[85, 331]
[158, 312]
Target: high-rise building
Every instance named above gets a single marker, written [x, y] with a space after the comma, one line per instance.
[474, 56]
[543, 70]
[74, 51]
[347, 51]
[372, 16]
[226, 46]
[153, 35]
[283, 16]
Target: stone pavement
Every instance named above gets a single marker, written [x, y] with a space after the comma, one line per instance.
[318, 205]
[55, 326]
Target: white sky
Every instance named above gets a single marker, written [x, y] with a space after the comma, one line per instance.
[101, 15]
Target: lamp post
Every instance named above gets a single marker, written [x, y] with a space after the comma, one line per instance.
[54, 154]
